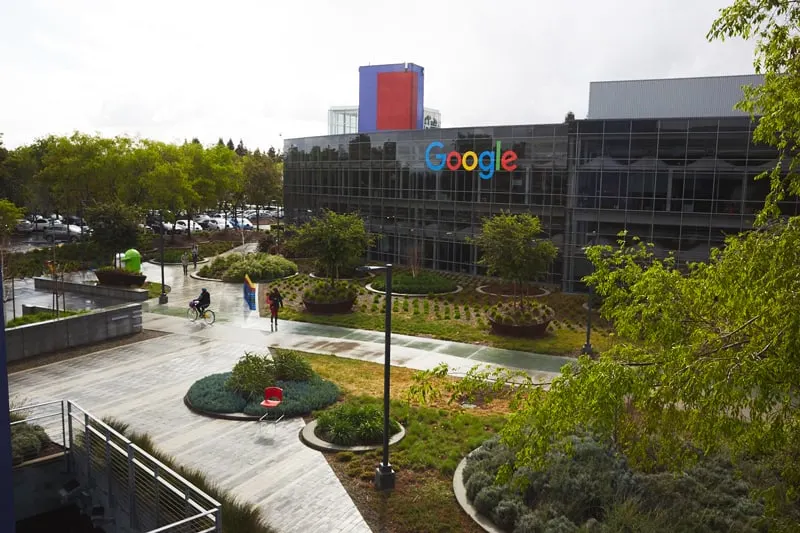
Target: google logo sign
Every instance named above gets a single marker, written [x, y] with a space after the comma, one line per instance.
[488, 162]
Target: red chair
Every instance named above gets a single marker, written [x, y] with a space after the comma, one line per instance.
[273, 396]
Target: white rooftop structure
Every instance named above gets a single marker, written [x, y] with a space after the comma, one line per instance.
[344, 119]
[712, 96]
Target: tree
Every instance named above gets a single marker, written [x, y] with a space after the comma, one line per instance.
[230, 145]
[195, 140]
[114, 226]
[241, 151]
[776, 103]
[512, 250]
[336, 240]
[261, 179]
[220, 142]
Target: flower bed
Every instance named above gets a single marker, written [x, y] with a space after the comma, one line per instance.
[259, 266]
[424, 283]
[241, 390]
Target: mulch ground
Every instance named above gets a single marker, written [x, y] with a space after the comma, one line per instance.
[63, 355]
[508, 290]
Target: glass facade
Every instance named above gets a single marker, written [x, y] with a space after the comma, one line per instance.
[682, 184]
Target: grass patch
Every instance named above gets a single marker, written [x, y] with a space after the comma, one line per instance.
[458, 317]
[154, 289]
[437, 438]
[425, 282]
[236, 515]
[40, 317]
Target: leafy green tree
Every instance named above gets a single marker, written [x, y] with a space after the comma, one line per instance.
[220, 142]
[9, 214]
[776, 103]
[115, 227]
[512, 249]
[337, 241]
[262, 180]
[241, 151]
[230, 145]
[195, 140]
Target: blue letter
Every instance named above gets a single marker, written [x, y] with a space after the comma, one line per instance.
[440, 157]
[487, 168]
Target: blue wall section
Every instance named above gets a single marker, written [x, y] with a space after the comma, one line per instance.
[368, 94]
[7, 522]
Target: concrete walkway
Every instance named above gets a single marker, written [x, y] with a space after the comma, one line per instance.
[143, 384]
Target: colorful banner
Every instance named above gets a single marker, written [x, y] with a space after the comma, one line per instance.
[249, 292]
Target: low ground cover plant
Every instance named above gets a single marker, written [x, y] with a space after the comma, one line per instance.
[525, 313]
[596, 489]
[242, 389]
[354, 423]
[27, 441]
[259, 266]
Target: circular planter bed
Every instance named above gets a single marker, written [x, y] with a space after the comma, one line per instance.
[309, 437]
[320, 277]
[326, 299]
[423, 284]
[117, 278]
[529, 320]
[370, 288]
[211, 397]
[461, 497]
[505, 291]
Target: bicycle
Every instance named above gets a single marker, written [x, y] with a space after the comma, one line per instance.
[193, 314]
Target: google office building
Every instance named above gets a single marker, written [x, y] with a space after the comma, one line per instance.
[668, 160]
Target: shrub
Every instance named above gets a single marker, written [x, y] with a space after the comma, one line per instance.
[260, 267]
[325, 292]
[529, 313]
[291, 366]
[487, 499]
[210, 394]
[528, 523]
[27, 441]
[560, 524]
[353, 423]
[508, 512]
[299, 397]
[424, 283]
[251, 375]
[477, 482]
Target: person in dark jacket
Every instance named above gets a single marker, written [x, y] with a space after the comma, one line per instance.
[275, 301]
[203, 301]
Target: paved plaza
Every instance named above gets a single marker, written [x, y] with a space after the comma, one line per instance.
[143, 384]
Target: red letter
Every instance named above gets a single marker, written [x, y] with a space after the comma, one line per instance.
[450, 157]
[508, 161]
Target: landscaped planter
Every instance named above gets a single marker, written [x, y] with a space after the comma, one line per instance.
[492, 291]
[531, 331]
[309, 437]
[115, 278]
[330, 308]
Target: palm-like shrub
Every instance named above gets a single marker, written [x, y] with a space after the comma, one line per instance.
[527, 313]
[324, 292]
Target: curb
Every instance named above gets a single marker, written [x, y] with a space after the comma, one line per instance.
[480, 290]
[194, 275]
[310, 439]
[314, 276]
[368, 286]
[461, 497]
[221, 416]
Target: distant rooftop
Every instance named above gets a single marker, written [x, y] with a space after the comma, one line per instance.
[709, 96]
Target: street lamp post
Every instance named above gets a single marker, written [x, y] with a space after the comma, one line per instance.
[162, 298]
[587, 348]
[384, 474]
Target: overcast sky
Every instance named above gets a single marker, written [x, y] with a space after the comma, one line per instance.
[268, 70]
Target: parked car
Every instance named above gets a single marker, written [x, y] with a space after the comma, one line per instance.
[23, 226]
[77, 221]
[182, 225]
[223, 223]
[160, 228]
[241, 223]
[58, 231]
[40, 223]
[201, 218]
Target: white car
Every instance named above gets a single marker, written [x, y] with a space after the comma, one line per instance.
[201, 218]
[242, 223]
[40, 223]
[24, 226]
[222, 223]
[183, 225]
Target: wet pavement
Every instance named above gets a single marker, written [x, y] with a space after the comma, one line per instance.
[25, 294]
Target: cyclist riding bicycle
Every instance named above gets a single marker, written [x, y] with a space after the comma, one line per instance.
[202, 302]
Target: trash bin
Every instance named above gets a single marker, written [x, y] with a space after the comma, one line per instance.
[132, 261]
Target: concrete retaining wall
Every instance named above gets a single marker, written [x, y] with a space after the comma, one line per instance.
[118, 293]
[36, 486]
[79, 330]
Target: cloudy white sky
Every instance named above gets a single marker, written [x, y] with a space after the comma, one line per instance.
[268, 70]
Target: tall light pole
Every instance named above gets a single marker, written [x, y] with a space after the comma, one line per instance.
[384, 474]
[162, 298]
[587, 348]
[7, 522]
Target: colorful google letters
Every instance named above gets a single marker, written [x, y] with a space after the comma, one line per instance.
[488, 162]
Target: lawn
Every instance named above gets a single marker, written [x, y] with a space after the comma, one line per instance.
[437, 439]
[457, 317]
[154, 289]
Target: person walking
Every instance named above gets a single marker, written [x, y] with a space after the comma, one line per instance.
[185, 263]
[195, 255]
[275, 302]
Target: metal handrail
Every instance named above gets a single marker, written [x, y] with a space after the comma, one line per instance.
[184, 521]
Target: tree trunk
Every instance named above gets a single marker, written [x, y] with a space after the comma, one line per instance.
[258, 224]
[189, 224]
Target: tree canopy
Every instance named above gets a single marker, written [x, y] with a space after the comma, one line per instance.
[71, 174]
[336, 240]
[512, 248]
